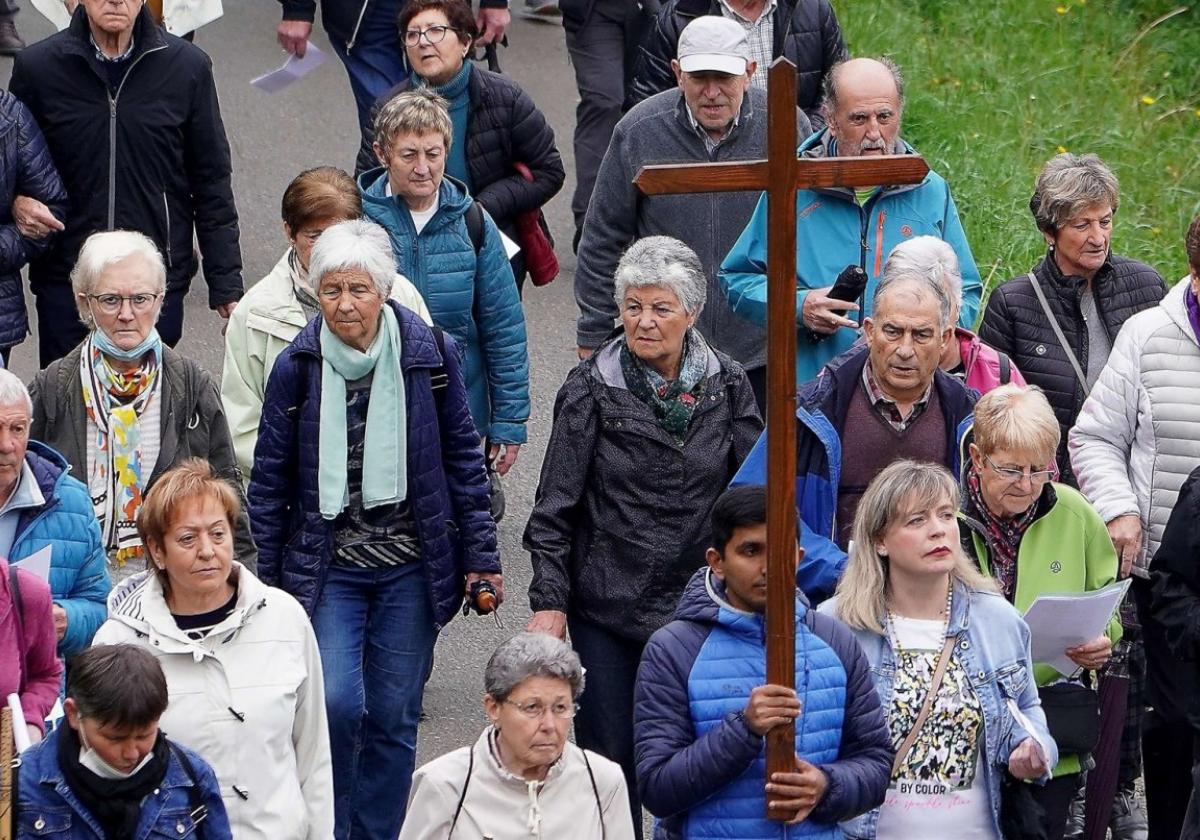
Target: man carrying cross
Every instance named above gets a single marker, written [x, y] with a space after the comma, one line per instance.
[837, 226]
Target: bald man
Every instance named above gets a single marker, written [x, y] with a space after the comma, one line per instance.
[838, 227]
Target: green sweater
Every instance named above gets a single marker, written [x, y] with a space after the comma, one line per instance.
[1065, 550]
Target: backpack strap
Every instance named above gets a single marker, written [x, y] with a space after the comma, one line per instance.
[199, 811]
[474, 219]
[439, 380]
[463, 796]
[14, 588]
[1005, 368]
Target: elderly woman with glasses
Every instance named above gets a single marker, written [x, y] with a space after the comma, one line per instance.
[123, 407]
[523, 777]
[369, 503]
[647, 433]
[1035, 536]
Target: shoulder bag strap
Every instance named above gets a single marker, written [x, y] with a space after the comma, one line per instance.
[595, 793]
[1005, 368]
[199, 812]
[14, 588]
[463, 796]
[1062, 339]
[938, 673]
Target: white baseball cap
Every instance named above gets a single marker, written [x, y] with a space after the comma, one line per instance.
[713, 43]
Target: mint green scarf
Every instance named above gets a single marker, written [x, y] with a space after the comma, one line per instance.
[385, 455]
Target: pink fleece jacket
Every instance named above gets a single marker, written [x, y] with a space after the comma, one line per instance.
[982, 363]
[30, 649]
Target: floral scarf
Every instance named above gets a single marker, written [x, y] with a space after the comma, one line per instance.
[1004, 535]
[114, 403]
[673, 402]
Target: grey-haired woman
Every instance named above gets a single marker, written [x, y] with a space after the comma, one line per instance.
[1089, 290]
[523, 777]
[647, 433]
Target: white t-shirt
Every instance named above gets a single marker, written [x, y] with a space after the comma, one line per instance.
[940, 789]
[420, 217]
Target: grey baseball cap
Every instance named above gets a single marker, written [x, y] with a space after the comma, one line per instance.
[715, 43]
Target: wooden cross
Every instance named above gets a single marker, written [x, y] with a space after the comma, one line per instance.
[780, 176]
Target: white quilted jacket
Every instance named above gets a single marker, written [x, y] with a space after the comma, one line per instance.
[1138, 435]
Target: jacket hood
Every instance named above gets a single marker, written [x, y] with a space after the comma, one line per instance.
[139, 604]
[703, 601]
[453, 198]
[47, 464]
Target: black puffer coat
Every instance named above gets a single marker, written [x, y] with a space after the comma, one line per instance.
[503, 127]
[621, 518]
[807, 33]
[1015, 324]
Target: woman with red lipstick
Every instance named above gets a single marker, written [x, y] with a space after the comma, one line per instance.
[1034, 536]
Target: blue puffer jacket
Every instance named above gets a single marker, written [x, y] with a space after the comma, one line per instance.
[48, 808]
[26, 168]
[821, 408]
[474, 298]
[78, 565]
[833, 230]
[447, 484]
[700, 768]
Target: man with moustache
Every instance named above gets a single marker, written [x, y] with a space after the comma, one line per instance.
[713, 115]
[838, 226]
[880, 402]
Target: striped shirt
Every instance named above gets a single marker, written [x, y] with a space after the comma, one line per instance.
[760, 36]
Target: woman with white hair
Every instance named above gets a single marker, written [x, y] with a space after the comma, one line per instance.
[369, 504]
[523, 777]
[647, 433]
[976, 364]
[1035, 536]
[950, 658]
[122, 407]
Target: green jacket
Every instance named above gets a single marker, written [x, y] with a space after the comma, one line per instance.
[1065, 550]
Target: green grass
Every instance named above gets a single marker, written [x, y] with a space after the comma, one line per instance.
[997, 87]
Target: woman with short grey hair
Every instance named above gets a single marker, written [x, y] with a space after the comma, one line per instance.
[646, 434]
[123, 407]
[523, 777]
[1057, 323]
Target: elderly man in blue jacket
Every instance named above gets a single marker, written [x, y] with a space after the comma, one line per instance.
[837, 226]
[703, 708]
[42, 506]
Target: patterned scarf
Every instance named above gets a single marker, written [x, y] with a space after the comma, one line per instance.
[673, 402]
[1004, 535]
[114, 402]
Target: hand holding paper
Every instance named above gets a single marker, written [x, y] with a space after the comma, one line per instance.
[1059, 622]
[292, 71]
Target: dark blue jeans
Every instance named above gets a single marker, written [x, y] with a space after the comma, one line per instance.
[376, 61]
[604, 723]
[376, 632]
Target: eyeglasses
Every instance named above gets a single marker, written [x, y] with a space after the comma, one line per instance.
[535, 709]
[111, 304]
[433, 34]
[357, 291]
[1013, 475]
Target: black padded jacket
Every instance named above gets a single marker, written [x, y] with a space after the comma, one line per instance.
[1015, 324]
[807, 33]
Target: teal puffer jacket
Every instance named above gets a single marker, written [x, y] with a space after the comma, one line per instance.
[472, 297]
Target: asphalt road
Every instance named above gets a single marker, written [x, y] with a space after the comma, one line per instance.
[273, 138]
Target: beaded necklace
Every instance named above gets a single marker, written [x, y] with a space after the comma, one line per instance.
[894, 637]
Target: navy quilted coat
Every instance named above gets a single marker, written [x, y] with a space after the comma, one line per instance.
[78, 564]
[447, 484]
[26, 168]
[700, 768]
[471, 296]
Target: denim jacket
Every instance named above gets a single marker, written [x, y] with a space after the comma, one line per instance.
[48, 809]
[993, 648]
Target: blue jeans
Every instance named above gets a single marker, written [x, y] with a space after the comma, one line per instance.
[375, 629]
[376, 62]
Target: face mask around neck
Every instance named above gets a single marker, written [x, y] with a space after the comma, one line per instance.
[89, 759]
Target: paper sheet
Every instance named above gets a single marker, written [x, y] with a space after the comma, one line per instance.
[292, 71]
[1058, 622]
[511, 249]
[20, 732]
[38, 563]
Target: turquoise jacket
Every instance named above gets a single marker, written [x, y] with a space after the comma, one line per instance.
[833, 231]
[471, 296]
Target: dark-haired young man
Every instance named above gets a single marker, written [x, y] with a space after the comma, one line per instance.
[702, 706]
[111, 774]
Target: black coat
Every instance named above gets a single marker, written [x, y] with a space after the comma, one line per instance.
[168, 175]
[621, 517]
[1170, 611]
[1015, 324]
[807, 33]
[503, 127]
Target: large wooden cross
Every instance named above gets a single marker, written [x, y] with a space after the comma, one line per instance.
[780, 176]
